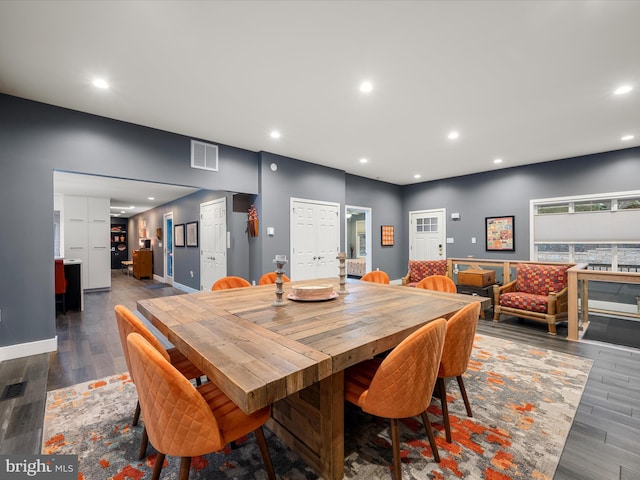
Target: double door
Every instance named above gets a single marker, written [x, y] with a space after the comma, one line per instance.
[315, 239]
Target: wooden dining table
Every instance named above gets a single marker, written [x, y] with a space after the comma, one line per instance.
[293, 356]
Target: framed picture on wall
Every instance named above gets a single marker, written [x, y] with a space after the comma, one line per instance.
[499, 234]
[386, 235]
[192, 234]
[178, 235]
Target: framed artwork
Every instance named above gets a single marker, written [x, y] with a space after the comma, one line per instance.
[499, 234]
[178, 235]
[387, 235]
[192, 234]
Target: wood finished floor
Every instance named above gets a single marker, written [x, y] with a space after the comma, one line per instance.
[603, 444]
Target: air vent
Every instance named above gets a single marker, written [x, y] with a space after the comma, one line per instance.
[14, 390]
[204, 156]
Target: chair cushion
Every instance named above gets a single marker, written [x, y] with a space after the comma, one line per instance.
[525, 301]
[419, 269]
[540, 279]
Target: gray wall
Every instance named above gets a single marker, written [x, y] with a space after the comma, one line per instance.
[508, 192]
[385, 201]
[35, 139]
[293, 178]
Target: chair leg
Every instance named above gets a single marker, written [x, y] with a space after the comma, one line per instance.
[143, 444]
[185, 465]
[463, 391]
[432, 438]
[442, 391]
[136, 415]
[158, 466]
[395, 445]
[264, 451]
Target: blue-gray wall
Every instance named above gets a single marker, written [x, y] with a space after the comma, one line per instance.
[508, 192]
[36, 139]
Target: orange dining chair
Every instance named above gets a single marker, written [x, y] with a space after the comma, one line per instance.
[458, 343]
[400, 385]
[231, 281]
[187, 421]
[376, 276]
[440, 283]
[61, 284]
[128, 323]
[270, 278]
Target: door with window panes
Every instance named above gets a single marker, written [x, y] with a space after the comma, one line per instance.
[427, 235]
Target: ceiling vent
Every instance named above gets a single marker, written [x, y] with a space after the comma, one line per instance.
[204, 156]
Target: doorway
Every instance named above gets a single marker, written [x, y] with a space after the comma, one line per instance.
[427, 235]
[358, 239]
[213, 241]
[315, 239]
[167, 240]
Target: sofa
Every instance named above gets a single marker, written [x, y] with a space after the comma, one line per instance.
[539, 293]
[419, 269]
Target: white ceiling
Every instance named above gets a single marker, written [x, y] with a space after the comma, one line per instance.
[132, 195]
[526, 81]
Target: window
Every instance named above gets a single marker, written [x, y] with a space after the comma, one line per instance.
[427, 224]
[601, 230]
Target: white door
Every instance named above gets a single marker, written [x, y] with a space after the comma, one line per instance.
[427, 235]
[315, 239]
[167, 239]
[213, 242]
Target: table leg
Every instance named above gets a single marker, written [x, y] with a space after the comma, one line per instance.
[311, 422]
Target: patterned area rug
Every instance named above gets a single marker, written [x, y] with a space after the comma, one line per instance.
[523, 400]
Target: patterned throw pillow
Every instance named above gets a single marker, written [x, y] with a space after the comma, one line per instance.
[541, 279]
[420, 269]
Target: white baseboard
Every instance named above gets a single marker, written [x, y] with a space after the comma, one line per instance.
[184, 288]
[27, 349]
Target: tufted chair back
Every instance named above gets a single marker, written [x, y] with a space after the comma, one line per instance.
[129, 323]
[376, 276]
[440, 283]
[541, 279]
[458, 342]
[231, 281]
[178, 420]
[404, 381]
[270, 278]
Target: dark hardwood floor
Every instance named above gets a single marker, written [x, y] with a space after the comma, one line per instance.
[604, 442]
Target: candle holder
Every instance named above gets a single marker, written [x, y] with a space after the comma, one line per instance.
[342, 257]
[280, 262]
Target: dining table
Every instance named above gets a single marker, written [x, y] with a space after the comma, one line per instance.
[293, 356]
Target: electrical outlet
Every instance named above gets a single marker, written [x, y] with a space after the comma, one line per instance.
[191, 273]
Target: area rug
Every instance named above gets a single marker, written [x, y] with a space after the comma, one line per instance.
[523, 400]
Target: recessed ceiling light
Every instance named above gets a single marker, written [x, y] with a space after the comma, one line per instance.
[363, 160]
[366, 87]
[626, 138]
[623, 89]
[453, 135]
[100, 83]
[151, 198]
[417, 175]
[497, 160]
[275, 134]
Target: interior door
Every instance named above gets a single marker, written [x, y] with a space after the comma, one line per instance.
[213, 242]
[315, 239]
[427, 235]
[167, 238]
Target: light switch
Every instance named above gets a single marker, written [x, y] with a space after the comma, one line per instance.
[449, 239]
[271, 231]
[473, 239]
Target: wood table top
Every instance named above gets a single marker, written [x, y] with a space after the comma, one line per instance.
[258, 353]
